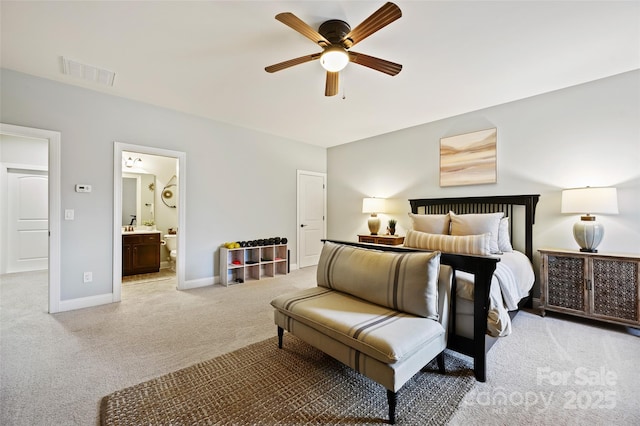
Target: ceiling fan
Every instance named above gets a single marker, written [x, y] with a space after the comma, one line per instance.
[336, 37]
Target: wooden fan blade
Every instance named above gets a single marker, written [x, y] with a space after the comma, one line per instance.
[382, 17]
[377, 64]
[331, 88]
[300, 26]
[292, 62]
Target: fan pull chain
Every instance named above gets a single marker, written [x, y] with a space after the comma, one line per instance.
[344, 92]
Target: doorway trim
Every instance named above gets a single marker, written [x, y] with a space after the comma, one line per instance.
[54, 203]
[119, 147]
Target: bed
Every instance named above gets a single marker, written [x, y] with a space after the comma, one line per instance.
[482, 313]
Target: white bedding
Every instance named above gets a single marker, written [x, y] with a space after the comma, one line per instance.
[512, 280]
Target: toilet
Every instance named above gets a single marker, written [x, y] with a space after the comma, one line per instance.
[171, 241]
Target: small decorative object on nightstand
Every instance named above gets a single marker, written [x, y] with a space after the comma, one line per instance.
[388, 240]
[392, 227]
[598, 286]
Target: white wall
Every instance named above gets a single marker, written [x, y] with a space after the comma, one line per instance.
[241, 184]
[587, 135]
[24, 151]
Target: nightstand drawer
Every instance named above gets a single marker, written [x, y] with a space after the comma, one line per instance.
[389, 240]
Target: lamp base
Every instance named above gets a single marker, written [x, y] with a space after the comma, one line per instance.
[374, 224]
[588, 233]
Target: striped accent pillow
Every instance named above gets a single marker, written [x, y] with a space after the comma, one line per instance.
[463, 244]
[402, 281]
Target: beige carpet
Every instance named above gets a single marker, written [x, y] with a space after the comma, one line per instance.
[558, 370]
[55, 369]
[297, 385]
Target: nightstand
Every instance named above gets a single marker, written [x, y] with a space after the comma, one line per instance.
[592, 285]
[388, 240]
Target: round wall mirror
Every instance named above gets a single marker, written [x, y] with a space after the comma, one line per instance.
[168, 196]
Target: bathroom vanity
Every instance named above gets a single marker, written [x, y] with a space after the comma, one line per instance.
[140, 252]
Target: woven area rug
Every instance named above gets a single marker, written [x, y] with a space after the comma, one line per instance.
[297, 385]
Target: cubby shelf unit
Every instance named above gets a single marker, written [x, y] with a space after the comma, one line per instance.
[252, 263]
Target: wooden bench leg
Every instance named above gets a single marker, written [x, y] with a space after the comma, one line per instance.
[440, 361]
[280, 334]
[392, 398]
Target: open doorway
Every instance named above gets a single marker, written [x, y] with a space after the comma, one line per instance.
[29, 217]
[148, 206]
[149, 218]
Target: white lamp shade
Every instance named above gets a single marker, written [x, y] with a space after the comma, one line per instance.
[590, 200]
[334, 59]
[373, 205]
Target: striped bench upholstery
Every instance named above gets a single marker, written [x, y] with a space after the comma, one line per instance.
[377, 331]
[384, 314]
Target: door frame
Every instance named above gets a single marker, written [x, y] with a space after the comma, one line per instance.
[54, 139]
[298, 201]
[118, 148]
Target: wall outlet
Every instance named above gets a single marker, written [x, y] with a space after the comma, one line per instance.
[88, 277]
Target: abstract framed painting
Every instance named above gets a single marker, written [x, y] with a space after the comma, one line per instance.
[468, 159]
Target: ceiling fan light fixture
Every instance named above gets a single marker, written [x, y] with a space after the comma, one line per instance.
[334, 58]
[336, 38]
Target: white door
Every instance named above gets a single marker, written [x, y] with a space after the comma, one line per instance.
[28, 228]
[311, 216]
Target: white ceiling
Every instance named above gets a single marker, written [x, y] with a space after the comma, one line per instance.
[207, 58]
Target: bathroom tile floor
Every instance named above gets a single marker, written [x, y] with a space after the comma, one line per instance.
[163, 275]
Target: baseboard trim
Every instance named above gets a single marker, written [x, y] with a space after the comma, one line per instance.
[103, 299]
[200, 282]
[204, 282]
[85, 302]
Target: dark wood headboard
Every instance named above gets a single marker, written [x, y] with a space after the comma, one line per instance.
[489, 204]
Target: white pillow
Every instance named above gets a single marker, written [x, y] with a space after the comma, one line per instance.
[504, 239]
[464, 244]
[476, 224]
[431, 223]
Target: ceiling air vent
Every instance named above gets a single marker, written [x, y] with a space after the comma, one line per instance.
[88, 72]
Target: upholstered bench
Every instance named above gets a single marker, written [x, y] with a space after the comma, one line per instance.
[383, 314]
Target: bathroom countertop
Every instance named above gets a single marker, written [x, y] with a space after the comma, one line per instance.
[141, 231]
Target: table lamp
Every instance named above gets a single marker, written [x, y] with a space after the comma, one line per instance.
[373, 206]
[587, 232]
